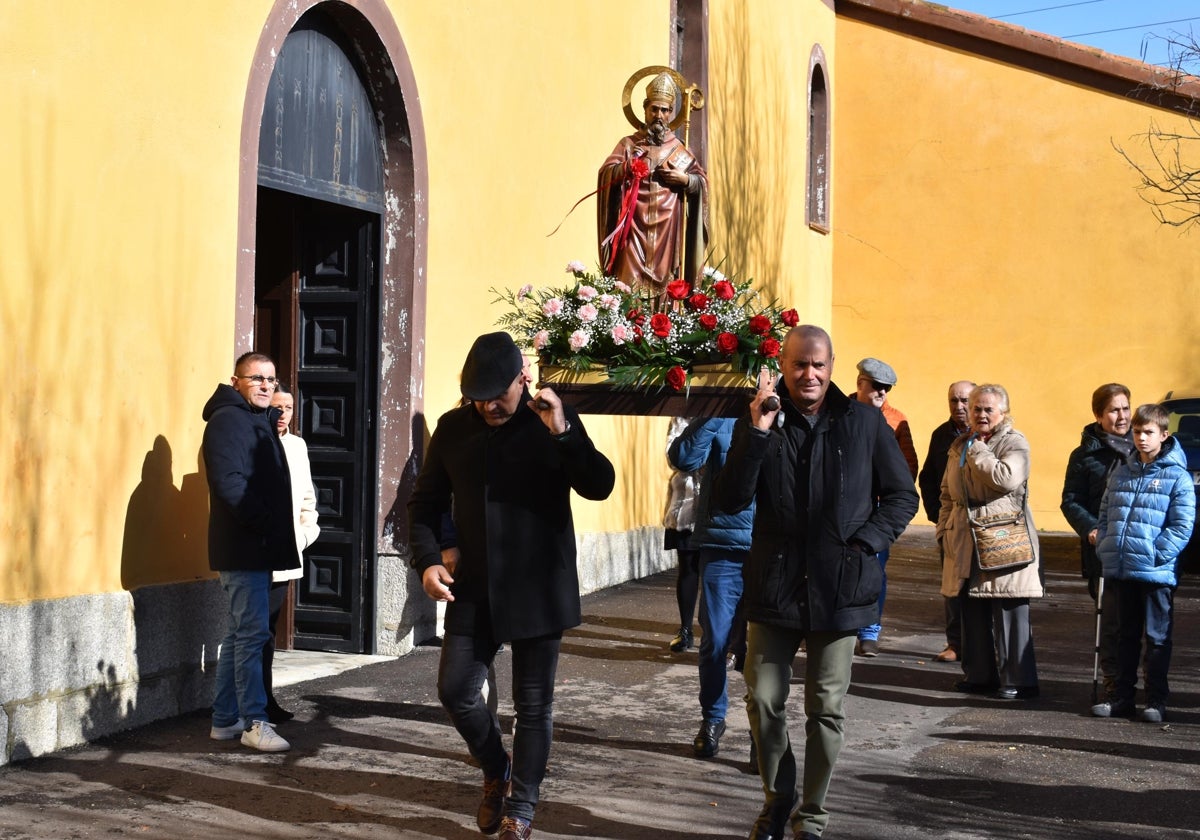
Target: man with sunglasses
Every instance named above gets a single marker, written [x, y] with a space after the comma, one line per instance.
[250, 535]
[875, 380]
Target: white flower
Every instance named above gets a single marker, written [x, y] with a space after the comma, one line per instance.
[524, 291]
[541, 339]
[588, 313]
[578, 340]
[713, 274]
[576, 267]
[552, 307]
[587, 292]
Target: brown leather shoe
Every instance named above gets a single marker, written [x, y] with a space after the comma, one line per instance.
[512, 828]
[948, 655]
[492, 803]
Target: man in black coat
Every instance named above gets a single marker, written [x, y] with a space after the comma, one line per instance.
[505, 465]
[831, 490]
[250, 535]
[930, 482]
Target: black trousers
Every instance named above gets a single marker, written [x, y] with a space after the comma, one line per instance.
[461, 675]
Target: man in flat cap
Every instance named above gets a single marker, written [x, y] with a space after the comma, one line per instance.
[875, 380]
[508, 463]
[641, 217]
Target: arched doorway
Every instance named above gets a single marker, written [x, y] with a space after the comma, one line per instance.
[337, 235]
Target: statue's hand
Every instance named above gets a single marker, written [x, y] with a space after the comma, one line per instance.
[667, 176]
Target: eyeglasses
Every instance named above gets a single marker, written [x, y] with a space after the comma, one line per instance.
[259, 379]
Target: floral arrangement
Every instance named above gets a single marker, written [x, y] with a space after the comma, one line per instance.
[642, 339]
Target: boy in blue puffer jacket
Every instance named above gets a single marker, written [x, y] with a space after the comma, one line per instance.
[1146, 518]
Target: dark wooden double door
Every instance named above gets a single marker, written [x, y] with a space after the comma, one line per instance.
[316, 313]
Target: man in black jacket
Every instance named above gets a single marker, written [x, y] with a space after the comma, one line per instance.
[930, 482]
[508, 463]
[831, 490]
[250, 535]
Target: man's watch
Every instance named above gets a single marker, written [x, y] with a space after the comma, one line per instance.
[563, 434]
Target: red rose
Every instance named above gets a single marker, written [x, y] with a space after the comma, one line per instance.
[727, 343]
[677, 378]
[760, 325]
[679, 289]
[660, 325]
[638, 168]
[723, 289]
[698, 302]
[635, 316]
[637, 335]
[708, 321]
[790, 317]
[769, 348]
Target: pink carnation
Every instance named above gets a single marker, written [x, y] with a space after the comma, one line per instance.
[524, 291]
[552, 307]
[576, 267]
[621, 333]
[622, 287]
[588, 313]
[541, 339]
[610, 302]
[586, 292]
[578, 340]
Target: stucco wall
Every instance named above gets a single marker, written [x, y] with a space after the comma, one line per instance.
[986, 229]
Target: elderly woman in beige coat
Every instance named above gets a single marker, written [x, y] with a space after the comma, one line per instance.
[988, 470]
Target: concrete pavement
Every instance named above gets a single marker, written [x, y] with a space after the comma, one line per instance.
[374, 756]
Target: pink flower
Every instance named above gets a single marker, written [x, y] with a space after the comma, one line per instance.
[524, 291]
[622, 287]
[586, 292]
[610, 302]
[578, 340]
[588, 313]
[552, 307]
[576, 267]
[541, 339]
[621, 333]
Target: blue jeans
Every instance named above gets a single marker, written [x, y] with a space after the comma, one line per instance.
[872, 631]
[461, 674]
[1143, 610]
[240, 691]
[720, 591]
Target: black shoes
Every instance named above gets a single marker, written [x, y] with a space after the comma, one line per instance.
[277, 714]
[772, 821]
[867, 647]
[682, 640]
[975, 688]
[492, 803]
[708, 740]
[1025, 692]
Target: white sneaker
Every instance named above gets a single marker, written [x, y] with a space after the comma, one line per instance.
[262, 736]
[228, 733]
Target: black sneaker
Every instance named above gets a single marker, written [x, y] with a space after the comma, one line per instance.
[682, 640]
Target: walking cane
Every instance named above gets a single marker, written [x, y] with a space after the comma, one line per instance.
[1096, 660]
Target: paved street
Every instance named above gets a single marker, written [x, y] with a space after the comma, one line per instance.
[375, 757]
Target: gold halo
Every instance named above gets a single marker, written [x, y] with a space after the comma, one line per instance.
[653, 70]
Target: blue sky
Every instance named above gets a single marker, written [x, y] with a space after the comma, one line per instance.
[1137, 23]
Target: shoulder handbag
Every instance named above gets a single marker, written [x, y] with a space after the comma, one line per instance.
[1001, 540]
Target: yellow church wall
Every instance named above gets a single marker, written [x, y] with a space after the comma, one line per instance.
[986, 229]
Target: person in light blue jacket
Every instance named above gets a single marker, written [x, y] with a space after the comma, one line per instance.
[1146, 519]
[724, 543]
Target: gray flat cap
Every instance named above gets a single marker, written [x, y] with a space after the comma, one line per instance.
[877, 371]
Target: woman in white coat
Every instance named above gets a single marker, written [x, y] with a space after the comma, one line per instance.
[988, 471]
[304, 517]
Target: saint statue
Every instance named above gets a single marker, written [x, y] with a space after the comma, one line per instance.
[652, 200]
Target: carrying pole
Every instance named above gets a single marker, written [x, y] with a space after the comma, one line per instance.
[1096, 659]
